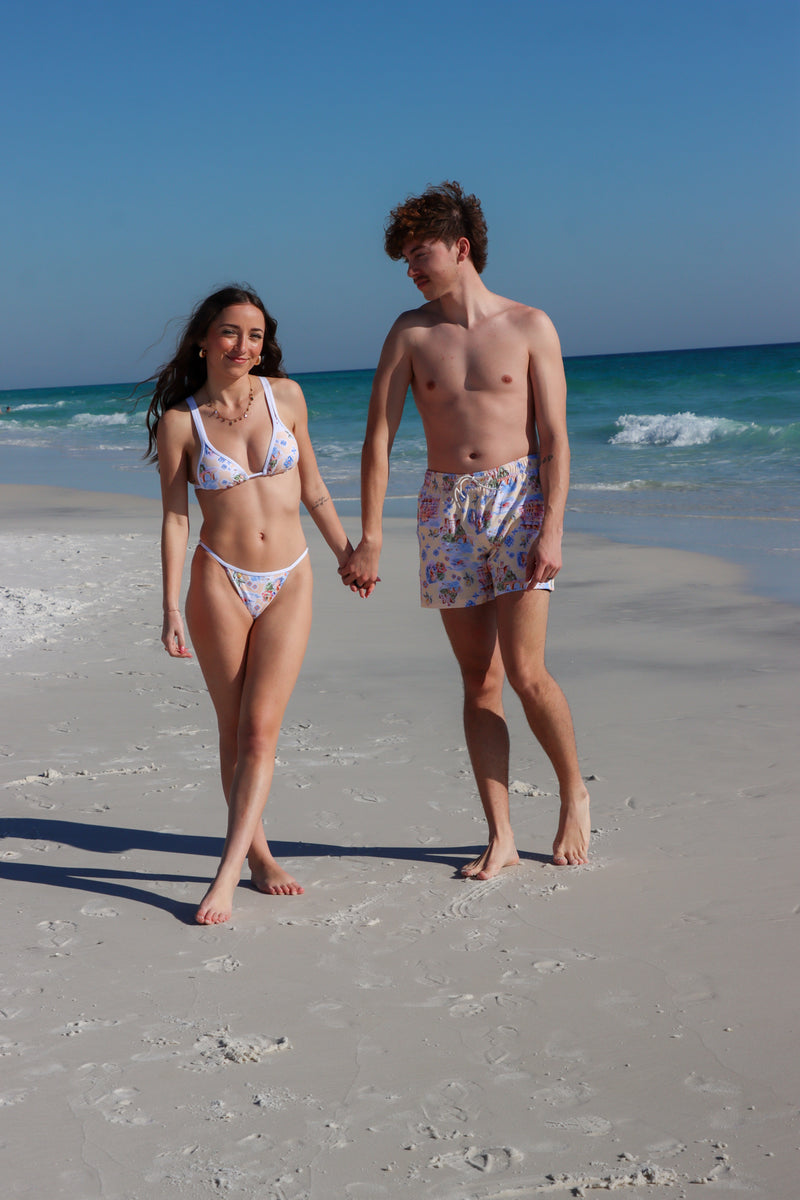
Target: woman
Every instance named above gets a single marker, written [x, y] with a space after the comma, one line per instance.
[225, 419]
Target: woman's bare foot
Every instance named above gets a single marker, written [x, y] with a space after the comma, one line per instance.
[500, 853]
[217, 904]
[270, 878]
[571, 845]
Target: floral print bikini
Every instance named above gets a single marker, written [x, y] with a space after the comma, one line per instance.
[216, 472]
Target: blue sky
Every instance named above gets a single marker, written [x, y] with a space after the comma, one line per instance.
[637, 162]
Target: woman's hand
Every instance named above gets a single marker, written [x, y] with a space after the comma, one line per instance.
[172, 635]
[348, 577]
[359, 571]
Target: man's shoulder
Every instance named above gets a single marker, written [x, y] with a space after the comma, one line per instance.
[531, 323]
[417, 318]
[524, 314]
[407, 328]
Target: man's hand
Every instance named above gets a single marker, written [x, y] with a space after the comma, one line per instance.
[360, 572]
[544, 558]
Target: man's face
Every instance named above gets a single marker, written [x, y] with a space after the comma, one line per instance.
[431, 265]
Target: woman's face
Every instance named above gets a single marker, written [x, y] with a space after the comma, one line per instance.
[234, 341]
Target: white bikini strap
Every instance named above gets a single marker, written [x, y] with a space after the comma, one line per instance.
[198, 421]
[277, 423]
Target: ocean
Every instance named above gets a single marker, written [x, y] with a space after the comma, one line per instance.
[694, 449]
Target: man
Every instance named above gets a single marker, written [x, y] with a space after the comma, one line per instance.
[487, 377]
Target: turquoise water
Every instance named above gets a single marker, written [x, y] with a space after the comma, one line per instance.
[694, 448]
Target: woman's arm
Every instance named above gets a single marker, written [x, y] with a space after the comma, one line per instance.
[173, 461]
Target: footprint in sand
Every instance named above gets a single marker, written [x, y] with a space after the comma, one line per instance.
[83, 1025]
[222, 1048]
[590, 1126]
[483, 939]
[713, 1087]
[118, 1107]
[549, 966]
[454, 1101]
[503, 1046]
[57, 934]
[466, 1006]
[372, 981]
[498, 1158]
[327, 820]
[366, 797]
[223, 964]
[488, 1161]
[563, 1094]
[98, 910]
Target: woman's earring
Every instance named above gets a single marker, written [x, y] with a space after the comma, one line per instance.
[260, 360]
[202, 352]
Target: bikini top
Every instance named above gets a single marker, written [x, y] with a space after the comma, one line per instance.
[215, 471]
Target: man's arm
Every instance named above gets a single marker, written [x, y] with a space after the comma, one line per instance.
[550, 406]
[389, 389]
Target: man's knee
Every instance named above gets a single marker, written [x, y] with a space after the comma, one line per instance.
[483, 683]
[530, 680]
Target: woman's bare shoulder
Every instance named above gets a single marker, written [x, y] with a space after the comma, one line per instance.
[290, 399]
[286, 389]
[174, 424]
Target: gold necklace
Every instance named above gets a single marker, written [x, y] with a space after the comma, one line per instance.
[236, 420]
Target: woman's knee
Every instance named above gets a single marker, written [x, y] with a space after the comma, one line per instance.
[257, 740]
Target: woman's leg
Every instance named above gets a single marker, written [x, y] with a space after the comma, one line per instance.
[250, 668]
[219, 625]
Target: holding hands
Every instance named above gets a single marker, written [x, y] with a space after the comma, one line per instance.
[359, 571]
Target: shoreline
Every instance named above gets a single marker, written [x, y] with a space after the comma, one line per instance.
[767, 549]
[397, 1031]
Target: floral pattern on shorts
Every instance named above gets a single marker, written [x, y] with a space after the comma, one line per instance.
[475, 532]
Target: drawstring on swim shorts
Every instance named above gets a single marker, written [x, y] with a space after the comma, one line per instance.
[460, 497]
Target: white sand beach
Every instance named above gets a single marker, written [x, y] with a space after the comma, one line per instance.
[396, 1032]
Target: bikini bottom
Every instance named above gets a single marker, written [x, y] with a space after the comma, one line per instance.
[257, 588]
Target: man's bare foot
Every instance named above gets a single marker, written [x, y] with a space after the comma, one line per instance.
[217, 904]
[500, 853]
[274, 881]
[571, 845]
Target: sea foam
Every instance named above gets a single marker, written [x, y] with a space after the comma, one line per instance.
[673, 429]
[87, 419]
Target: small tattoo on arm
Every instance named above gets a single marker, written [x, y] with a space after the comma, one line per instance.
[318, 503]
[547, 458]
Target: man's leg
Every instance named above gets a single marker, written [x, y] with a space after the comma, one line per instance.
[522, 627]
[473, 636]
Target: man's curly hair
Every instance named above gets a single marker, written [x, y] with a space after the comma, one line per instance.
[443, 214]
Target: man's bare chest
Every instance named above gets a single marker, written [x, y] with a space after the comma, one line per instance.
[447, 364]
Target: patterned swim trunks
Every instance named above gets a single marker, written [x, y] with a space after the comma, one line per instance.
[475, 532]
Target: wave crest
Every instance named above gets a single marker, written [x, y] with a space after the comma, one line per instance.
[673, 429]
[100, 419]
